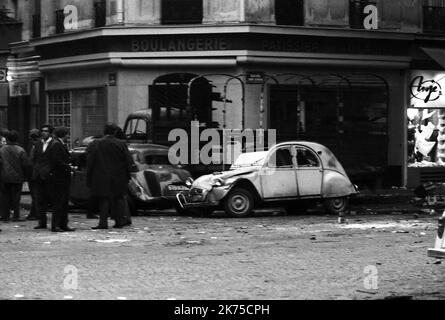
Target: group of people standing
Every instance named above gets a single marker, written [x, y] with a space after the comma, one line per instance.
[47, 168]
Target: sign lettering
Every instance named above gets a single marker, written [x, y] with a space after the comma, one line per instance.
[426, 90]
[192, 44]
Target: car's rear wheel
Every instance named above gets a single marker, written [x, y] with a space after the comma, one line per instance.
[336, 205]
[239, 203]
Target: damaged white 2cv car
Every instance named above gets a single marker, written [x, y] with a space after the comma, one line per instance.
[287, 172]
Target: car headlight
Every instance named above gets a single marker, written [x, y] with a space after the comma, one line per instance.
[217, 182]
[189, 182]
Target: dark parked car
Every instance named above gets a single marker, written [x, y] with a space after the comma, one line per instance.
[154, 182]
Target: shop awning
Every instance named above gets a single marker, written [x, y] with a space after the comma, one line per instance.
[436, 54]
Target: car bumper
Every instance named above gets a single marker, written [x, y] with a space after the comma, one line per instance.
[188, 202]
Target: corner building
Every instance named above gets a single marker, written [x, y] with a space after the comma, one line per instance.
[307, 68]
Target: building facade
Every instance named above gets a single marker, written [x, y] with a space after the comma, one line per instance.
[339, 72]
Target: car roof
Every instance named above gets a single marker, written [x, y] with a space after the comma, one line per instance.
[327, 157]
[144, 113]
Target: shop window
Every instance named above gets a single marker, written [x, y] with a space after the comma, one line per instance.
[59, 109]
[426, 137]
[81, 111]
[356, 12]
[289, 12]
[182, 11]
[433, 15]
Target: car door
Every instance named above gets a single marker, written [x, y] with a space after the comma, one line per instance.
[309, 172]
[278, 178]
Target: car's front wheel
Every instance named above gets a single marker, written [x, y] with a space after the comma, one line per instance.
[239, 203]
[336, 205]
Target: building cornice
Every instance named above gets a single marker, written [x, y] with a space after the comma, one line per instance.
[226, 29]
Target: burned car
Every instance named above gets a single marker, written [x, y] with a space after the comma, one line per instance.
[154, 182]
[287, 172]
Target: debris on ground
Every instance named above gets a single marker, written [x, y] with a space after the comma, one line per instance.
[109, 240]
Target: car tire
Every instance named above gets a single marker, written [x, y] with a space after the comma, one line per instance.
[336, 205]
[239, 203]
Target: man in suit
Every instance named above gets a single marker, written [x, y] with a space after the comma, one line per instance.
[108, 173]
[61, 178]
[42, 173]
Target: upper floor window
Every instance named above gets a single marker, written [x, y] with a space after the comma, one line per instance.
[289, 12]
[182, 11]
[60, 20]
[100, 13]
[433, 15]
[356, 12]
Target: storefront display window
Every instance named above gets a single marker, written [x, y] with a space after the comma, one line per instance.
[426, 137]
[81, 111]
[426, 119]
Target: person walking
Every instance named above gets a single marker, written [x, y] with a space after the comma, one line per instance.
[42, 174]
[108, 174]
[14, 165]
[60, 178]
[34, 138]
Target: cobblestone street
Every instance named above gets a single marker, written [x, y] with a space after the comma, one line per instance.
[270, 256]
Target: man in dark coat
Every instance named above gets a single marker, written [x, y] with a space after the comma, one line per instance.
[61, 178]
[108, 173]
[34, 137]
[14, 165]
[42, 173]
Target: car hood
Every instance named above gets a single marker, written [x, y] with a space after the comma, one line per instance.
[206, 182]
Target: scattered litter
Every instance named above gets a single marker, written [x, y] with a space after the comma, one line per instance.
[438, 262]
[110, 241]
[399, 298]
[367, 292]
[423, 234]
[313, 238]
[379, 263]
[193, 242]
